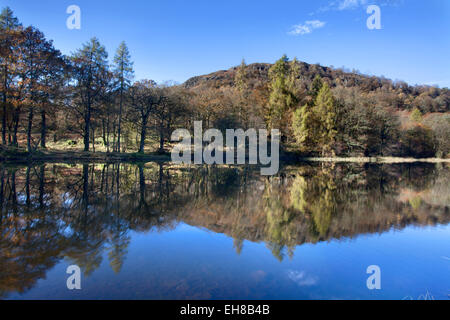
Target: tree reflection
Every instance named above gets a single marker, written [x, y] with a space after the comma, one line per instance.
[85, 213]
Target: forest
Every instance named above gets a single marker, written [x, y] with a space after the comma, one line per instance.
[86, 102]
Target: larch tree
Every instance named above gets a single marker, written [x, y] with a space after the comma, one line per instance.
[241, 84]
[9, 35]
[37, 61]
[90, 77]
[325, 108]
[123, 71]
[281, 99]
[315, 127]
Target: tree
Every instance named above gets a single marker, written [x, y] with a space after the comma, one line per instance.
[416, 115]
[145, 96]
[241, 84]
[123, 70]
[418, 142]
[315, 127]
[282, 98]
[384, 131]
[240, 78]
[9, 25]
[53, 85]
[316, 85]
[7, 20]
[37, 67]
[90, 75]
[171, 110]
[325, 108]
[306, 128]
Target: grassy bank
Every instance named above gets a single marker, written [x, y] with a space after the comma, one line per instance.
[21, 155]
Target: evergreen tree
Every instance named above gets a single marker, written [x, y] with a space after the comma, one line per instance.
[7, 20]
[123, 70]
[416, 115]
[240, 78]
[293, 82]
[305, 128]
[90, 73]
[315, 127]
[325, 108]
[316, 85]
[241, 84]
[282, 98]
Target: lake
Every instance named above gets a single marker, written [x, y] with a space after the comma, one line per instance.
[161, 231]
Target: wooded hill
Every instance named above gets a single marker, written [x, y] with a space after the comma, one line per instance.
[396, 94]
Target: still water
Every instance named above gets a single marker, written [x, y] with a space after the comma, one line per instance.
[158, 231]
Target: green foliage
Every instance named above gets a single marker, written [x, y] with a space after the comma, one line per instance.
[359, 116]
[418, 142]
[123, 66]
[316, 85]
[240, 78]
[415, 202]
[315, 126]
[7, 19]
[416, 115]
[282, 96]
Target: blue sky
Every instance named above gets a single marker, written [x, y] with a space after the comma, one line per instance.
[175, 40]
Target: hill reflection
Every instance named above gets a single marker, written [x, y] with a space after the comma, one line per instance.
[80, 212]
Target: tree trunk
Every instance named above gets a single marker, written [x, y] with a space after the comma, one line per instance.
[16, 128]
[93, 139]
[107, 135]
[43, 129]
[27, 187]
[161, 139]
[104, 133]
[143, 134]
[4, 104]
[119, 130]
[87, 123]
[29, 128]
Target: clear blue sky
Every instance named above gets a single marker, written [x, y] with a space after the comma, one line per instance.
[175, 40]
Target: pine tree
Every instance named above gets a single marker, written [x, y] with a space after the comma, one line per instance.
[282, 94]
[123, 70]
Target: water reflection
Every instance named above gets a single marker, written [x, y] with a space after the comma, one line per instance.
[52, 212]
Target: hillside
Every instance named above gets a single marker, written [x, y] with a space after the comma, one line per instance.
[397, 94]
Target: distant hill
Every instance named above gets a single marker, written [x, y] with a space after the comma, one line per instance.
[399, 94]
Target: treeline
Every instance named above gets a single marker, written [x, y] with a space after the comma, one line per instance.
[321, 111]
[84, 101]
[83, 95]
[328, 120]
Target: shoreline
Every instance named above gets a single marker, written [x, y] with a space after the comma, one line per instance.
[376, 159]
[82, 156]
